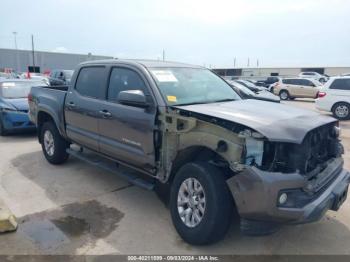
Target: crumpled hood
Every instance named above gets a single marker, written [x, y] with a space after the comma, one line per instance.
[277, 122]
[17, 103]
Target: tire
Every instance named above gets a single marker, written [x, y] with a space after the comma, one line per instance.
[56, 153]
[219, 204]
[2, 129]
[341, 111]
[284, 95]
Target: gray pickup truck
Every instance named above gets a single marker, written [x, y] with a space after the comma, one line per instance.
[206, 151]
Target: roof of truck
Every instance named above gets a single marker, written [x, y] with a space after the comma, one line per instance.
[146, 63]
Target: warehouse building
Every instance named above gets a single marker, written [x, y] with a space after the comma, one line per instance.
[22, 60]
[259, 73]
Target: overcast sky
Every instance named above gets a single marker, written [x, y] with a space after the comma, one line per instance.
[277, 32]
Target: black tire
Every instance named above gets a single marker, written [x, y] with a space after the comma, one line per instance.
[284, 95]
[59, 155]
[344, 106]
[2, 129]
[219, 205]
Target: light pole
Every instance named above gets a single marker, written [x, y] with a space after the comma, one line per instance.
[15, 35]
[33, 55]
[16, 47]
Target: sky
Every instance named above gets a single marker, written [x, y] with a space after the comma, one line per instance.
[281, 33]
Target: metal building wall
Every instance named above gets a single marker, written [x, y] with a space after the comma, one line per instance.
[20, 59]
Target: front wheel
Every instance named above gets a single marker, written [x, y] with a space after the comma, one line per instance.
[341, 111]
[201, 204]
[53, 144]
[2, 129]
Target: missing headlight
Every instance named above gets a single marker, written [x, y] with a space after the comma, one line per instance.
[254, 151]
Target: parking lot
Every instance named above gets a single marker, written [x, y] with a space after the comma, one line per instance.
[78, 209]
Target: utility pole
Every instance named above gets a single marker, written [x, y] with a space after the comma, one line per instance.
[16, 47]
[15, 35]
[257, 63]
[163, 55]
[248, 63]
[33, 54]
[234, 62]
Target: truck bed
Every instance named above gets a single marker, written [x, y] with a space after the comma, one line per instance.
[49, 99]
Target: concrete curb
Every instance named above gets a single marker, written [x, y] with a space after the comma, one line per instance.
[8, 220]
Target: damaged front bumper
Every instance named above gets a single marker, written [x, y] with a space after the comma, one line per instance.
[256, 194]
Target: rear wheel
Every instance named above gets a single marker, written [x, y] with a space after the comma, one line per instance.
[200, 203]
[341, 111]
[53, 144]
[284, 95]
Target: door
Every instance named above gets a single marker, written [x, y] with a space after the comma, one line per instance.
[127, 132]
[83, 104]
[308, 88]
[292, 87]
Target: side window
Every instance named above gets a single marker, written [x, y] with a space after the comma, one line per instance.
[342, 84]
[91, 81]
[286, 81]
[294, 81]
[303, 82]
[123, 79]
[310, 83]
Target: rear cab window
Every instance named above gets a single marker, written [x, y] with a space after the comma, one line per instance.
[91, 82]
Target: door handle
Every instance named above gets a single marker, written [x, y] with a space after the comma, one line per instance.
[71, 105]
[105, 114]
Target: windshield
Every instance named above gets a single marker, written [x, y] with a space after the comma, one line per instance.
[250, 85]
[243, 88]
[185, 86]
[12, 90]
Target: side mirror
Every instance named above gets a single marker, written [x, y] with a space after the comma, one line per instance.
[133, 98]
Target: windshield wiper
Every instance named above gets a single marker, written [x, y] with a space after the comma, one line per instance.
[207, 102]
[189, 104]
[224, 100]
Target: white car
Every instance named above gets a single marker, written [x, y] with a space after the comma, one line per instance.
[314, 75]
[335, 97]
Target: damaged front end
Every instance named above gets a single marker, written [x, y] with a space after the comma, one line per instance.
[290, 183]
[308, 158]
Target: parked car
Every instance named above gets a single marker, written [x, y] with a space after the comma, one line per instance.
[268, 82]
[14, 105]
[290, 88]
[335, 97]
[250, 85]
[246, 93]
[197, 143]
[314, 75]
[60, 77]
[35, 76]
